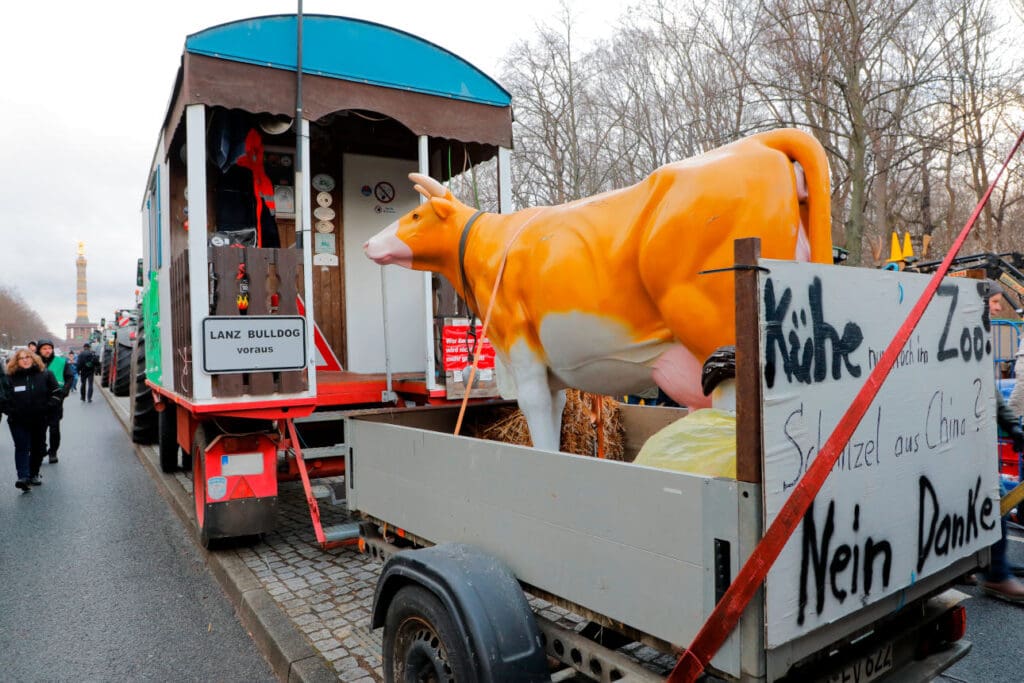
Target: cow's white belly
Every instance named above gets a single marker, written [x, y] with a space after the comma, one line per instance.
[598, 355]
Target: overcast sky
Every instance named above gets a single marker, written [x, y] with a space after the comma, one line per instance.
[84, 89]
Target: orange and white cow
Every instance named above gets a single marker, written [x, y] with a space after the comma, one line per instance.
[604, 294]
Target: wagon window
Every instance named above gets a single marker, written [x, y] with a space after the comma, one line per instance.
[153, 211]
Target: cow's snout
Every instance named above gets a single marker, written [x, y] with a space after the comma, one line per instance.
[386, 248]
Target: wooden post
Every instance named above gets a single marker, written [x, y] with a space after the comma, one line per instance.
[748, 362]
[226, 261]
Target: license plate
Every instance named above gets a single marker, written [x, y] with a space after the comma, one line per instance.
[868, 668]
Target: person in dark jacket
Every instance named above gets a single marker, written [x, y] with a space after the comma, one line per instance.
[999, 581]
[62, 372]
[28, 393]
[88, 362]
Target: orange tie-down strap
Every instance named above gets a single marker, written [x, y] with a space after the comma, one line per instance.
[727, 612]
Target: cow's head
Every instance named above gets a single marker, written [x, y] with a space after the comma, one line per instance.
[427, 237]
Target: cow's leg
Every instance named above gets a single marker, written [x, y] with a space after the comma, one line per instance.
[536, 399]
[557, 408]
[677, 372]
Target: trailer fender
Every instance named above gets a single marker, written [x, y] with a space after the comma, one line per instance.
[483, 598]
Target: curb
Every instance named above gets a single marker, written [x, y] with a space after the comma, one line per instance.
[290, 655]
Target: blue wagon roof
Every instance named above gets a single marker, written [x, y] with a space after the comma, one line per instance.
[352, 50]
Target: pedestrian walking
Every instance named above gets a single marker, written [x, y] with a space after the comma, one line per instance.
[62, 372]
[28, 393]
[1000, 580]
[74, 372]
[87, 364]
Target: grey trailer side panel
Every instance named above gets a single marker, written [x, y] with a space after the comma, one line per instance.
[635, 544]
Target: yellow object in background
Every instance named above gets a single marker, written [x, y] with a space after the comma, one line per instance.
[908, 249]
[703, 442]
[895, 252]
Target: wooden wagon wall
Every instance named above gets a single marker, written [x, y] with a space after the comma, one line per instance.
[325, 156]
[272, 275]
[328, 283]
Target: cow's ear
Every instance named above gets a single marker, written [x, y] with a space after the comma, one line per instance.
[442, 206]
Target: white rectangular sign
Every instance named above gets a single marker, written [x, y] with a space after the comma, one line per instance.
[916, 486]
[254, 343]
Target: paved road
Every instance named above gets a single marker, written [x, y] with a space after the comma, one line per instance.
[994, 627]
[99, 580]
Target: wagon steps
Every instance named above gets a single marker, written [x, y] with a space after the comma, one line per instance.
[327, 537]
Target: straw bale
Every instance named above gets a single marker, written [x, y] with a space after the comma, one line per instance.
[508, 425]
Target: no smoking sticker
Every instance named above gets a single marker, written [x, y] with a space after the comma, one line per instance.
[384, 192]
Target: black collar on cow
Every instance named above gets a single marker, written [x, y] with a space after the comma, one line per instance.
[467, 291]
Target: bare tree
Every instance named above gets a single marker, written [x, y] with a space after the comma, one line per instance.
[912, 99]
[981, 93]
[18, 322]
[560, 137]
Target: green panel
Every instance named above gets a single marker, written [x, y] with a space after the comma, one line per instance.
[151, 317]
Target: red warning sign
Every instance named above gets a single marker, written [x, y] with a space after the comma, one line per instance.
[325, 358]
[456, 344]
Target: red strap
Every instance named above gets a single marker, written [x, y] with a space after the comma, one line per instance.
[727, 612]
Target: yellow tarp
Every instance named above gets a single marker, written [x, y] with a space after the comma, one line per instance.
[703, 442]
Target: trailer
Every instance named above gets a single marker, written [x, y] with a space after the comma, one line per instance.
[286, 143]
[479, 539]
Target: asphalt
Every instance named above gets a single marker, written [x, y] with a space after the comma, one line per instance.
[98, 580]
[307, 609]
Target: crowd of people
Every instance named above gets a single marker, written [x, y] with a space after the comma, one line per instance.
[34, 383]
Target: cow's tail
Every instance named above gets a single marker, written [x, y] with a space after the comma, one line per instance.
[804, 148]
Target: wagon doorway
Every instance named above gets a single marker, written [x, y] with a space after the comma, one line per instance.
[377, 192]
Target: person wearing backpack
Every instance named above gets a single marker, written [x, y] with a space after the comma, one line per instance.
[62, 372]
[87, 364]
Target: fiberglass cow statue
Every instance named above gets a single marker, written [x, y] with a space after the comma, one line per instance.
[603, 294]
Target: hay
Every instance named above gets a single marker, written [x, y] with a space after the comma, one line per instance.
[508, 425]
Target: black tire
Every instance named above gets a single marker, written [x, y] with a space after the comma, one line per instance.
[121, 383]
[105, 357]
[141, 405]
[167, 438]
[421, 642]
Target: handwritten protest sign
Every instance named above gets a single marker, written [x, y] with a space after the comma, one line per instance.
[916, 486]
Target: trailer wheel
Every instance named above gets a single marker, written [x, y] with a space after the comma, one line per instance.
[199, 443]
[167, 426]
[142, 408]
[421, 642]
[122, 380]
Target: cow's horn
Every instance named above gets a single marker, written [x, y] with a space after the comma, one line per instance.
[435, 188]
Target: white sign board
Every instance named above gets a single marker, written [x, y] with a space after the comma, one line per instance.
[916, 486]
[254, 343]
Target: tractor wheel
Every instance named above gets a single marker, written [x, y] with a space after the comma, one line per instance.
[121, 383]
[105, 366]
[141, 405]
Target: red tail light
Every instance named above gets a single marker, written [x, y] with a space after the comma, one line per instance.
[953, 624]
[131, 335]
[947, 629]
